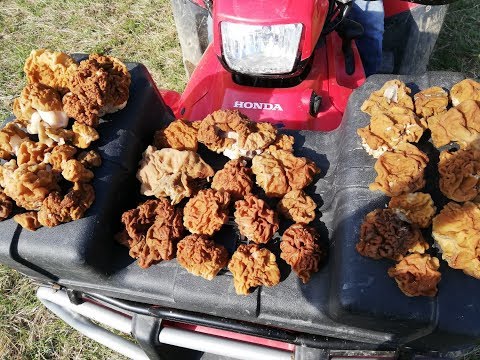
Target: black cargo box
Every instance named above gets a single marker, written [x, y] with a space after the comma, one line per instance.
[351, 298]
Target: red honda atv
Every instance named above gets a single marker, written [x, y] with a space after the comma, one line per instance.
[293, 63]
[297, 64]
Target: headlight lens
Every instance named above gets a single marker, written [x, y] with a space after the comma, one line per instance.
[254, 49]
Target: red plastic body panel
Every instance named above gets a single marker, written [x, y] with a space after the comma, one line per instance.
[394, 7]
[211, 88]
[311, 14]
[171, 98]
[199, 3]
[232, 335]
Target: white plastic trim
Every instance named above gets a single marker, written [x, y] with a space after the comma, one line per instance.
[77, 316]
[95, 312]
[221, 346]
[95, 332]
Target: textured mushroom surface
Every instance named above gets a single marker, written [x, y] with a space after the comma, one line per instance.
[161, 239]
[28, 185]
[221, 129]
[259, 136]
[40, 103]
[60, 155]
[384, 235]
[387, 130]
[231, 133]
[300, 249]
[34, 177]
[279, 172]
[252, 266]
[393, 93]
[137, 221]
[456, 230]
[52, 137]
[90, 158]
[255, 220]
[83, 135]
[235, 178]
[460, 124]
[417, 275]
[74, 171]
[416, 208]
[460, 174]
[431, 101]
[171, 173]
[400, 171]
[467, 89]
[31, 152]
[28, 220]
[152, 230]
[6, 206]
[11, 137]
[179, 134]
[206, 212]
[200, 256]
[57, 209]
[297, 206]
[99, 86]
[282, 142]
[51, 68]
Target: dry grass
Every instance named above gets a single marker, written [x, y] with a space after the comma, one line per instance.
[140, 30]
[137, 30]
[29, 331]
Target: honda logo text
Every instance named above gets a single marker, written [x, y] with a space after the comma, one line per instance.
[256, 105]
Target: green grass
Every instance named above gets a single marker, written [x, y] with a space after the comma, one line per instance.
[458, 46]
[143, 31]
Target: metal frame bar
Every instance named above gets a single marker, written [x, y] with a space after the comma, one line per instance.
[55, 302]
[221, 346]
[242, 327]
[119, 321]
[78, 317]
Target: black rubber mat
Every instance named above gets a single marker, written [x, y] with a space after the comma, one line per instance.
[351, 297]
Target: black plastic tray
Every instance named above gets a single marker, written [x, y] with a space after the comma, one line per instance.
[351, 297]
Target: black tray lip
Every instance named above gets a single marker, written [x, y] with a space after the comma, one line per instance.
[239, 326]
[414, 81]
[306, 131]
[92, 215]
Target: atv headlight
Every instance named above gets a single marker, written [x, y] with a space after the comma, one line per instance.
[256, 49]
